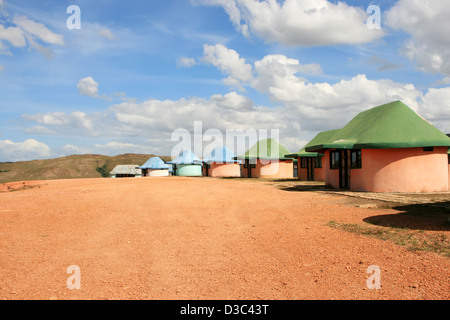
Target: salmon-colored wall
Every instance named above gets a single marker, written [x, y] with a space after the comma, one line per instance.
[331, 176]
[302, 174]
[319, 174]
[449, 173]
[397, 170]
[271, 169]
[224, 170]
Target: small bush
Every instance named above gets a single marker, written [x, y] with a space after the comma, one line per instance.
[103, 171]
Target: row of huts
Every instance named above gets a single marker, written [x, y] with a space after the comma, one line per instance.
[389, 148]
[266, 159]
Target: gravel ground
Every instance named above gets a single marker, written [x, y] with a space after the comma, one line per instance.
[199, 238]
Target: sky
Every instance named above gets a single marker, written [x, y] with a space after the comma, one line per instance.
[113, 77]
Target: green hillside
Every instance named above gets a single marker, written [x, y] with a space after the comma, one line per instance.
[76, 166]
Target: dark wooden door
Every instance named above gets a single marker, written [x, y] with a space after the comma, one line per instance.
[344, 169]
[310, 169]
[249, 168]
[206, 169]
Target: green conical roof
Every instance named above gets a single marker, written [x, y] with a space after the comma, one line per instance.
[392, 125]
[320, 138]
[266, 149]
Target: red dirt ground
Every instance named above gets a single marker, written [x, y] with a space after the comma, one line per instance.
[198, 238]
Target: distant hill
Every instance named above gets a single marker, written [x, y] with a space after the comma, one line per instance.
[76, 166]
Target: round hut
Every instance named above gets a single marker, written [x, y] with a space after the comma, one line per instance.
[155, 167]
[187, 164]
[267, 159]
[389, 148]
[221, 163]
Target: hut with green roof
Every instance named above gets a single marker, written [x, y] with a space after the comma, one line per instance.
[310, 164]
[267, 159]
[389, 148]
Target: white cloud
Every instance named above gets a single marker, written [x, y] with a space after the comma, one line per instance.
[233, 100]
[427, 23]
[443, 81]
[299, 22]
[231, 8]
[229, 62]
[38, 30]
[2, 9]
[325, 105]
[313, 104]
[220, 111]
[106, 33]
[115, 148]
[70, 149]
[276, 76]
[319, 106]
[186, 62]
[26, 32]
[13, 35]
[303, 107]
[60, 123]
[88, 87]
[434, 106]
[383, 64]
[26, 150]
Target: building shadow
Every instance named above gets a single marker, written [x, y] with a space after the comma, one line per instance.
[429, 216]
[302, 187]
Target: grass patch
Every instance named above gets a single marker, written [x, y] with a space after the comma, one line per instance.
[413, 240]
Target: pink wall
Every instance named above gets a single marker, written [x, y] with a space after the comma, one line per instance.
[397, 170]
[331, 176]
[449, 174]
[302, 174]
[224, 170]
[319, 173]
[274, 169]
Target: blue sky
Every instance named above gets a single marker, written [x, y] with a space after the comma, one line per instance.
[136, 71]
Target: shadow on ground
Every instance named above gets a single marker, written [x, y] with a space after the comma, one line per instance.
[303, 186]
[432, 216]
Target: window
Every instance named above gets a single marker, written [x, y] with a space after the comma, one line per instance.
[304, 163]
[334, 159]
[318, 162]
[355, 156]
[428, 149]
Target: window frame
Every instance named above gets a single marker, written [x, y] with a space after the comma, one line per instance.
[358, 164]
[318, 162]
[335, 159]
[303, 163]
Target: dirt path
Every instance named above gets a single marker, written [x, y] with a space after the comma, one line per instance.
[198, 238]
